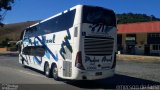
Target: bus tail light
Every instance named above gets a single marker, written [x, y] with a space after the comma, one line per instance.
[78, 62]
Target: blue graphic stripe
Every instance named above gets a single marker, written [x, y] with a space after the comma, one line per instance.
[55, 57]
[47, 54]
[37, 60]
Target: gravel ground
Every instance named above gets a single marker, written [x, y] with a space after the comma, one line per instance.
[138, 58]
[144, 70]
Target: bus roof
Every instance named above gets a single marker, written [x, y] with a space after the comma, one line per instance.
[55, 15]
[74, 7]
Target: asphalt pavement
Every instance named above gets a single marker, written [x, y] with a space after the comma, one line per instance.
[129, 74]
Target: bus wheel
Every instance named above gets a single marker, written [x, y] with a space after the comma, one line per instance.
[55, 73]
[23, 63]
[46, 70]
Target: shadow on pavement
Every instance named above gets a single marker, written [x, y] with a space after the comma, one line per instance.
[33, 69]
[114, 83]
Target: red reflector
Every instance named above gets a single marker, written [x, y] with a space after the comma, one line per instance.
[78, 62]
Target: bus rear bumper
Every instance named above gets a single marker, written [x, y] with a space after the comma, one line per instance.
[93, 75]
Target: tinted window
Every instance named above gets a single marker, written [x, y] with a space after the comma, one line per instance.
[153, 38]
[34, 51]
[59, 23]
[31, 32]
[26, 33]
[21, 36]
[97, 15]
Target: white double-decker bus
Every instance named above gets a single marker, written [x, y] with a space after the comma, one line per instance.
[77, 44]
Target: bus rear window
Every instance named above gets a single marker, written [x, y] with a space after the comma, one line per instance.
[97, 15]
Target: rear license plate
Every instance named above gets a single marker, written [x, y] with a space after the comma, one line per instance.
[98, 73]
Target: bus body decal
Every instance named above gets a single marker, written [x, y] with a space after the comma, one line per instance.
[24, 59]
[67, 44]
[27, 41]
[54, 56]
[36, 43]
[47, 54]
[37, 60]
[100, 28]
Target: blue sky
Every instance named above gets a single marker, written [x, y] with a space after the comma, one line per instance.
[30, 10]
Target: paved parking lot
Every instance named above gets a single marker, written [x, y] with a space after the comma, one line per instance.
[128, 73]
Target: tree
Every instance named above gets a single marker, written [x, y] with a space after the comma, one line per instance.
[5, 42]
[5, 5]
[134, 17]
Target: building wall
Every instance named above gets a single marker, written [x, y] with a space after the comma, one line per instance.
[123, 43]
[141, 45]
[141, 41]
[154, 42]
[140, 38]
[123, 39]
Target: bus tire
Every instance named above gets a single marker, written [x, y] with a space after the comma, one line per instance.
[54, 72]
[46, 69]
[23, 62]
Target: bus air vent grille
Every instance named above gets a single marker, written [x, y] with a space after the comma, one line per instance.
[98, 46]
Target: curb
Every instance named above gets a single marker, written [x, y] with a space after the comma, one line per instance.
[8, 53]
[138, 58]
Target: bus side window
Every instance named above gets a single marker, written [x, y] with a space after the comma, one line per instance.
[21, 36]
[26, 33]
[34, 51]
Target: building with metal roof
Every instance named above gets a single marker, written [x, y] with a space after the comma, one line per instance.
[139, 38]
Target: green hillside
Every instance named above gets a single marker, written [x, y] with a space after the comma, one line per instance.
[11, 32]
[132, 18]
